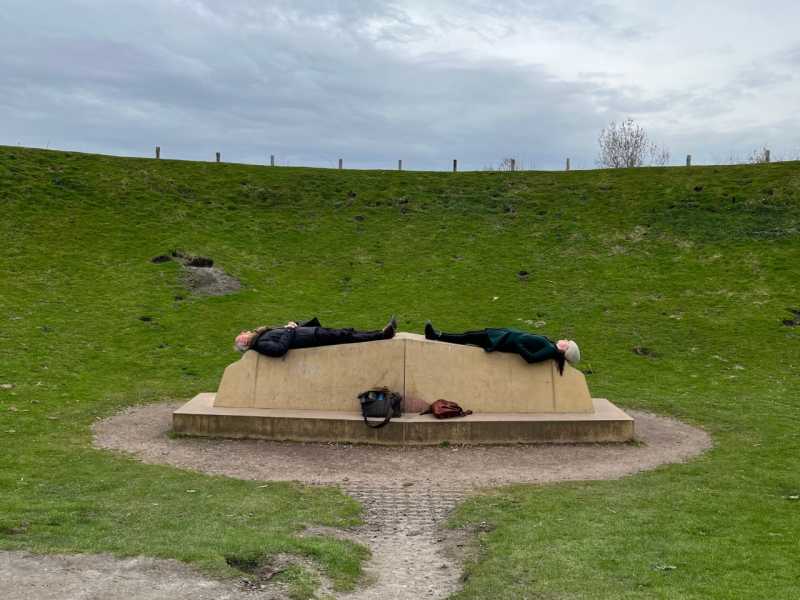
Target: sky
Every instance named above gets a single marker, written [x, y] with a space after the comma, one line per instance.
[423, 81]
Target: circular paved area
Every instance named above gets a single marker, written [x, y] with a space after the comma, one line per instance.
[142, 431]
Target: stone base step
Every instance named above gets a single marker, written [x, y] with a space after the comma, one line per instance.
[199, 417]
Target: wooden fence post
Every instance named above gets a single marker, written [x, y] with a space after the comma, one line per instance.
[340, 163]
[217, 156]
[271, 160]
[400, 165]
[158, 151]
[567, 164]
[455, 165]
[688, 160]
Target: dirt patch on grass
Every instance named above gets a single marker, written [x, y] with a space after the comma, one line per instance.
[209, 281]
[795, 321]
[25, 576]
[407, 500]
[200, 276]
[269, 575]
[642, 351]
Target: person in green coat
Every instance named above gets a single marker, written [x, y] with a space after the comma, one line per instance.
[533, 348]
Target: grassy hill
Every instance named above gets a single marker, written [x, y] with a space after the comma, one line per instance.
[676, 282]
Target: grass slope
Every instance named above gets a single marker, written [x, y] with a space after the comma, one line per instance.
[696, 266]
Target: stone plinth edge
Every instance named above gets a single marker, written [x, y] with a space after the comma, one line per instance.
[200, 417]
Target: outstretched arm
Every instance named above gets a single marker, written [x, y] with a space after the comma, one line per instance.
[537, 356]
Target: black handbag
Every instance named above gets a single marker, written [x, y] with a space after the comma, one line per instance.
[380, 403]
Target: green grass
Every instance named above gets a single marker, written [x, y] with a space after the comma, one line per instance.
[697, 265]
[300, 583]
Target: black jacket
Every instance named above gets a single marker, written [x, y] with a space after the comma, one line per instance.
[276, 342]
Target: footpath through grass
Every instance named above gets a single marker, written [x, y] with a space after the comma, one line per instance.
[676, 283]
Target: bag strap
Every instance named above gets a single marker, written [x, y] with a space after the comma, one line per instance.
[389, 412]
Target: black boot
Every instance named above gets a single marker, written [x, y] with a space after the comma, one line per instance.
[389, 330]
[430, 332]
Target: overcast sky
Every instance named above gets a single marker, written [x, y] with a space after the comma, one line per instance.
[425, 81]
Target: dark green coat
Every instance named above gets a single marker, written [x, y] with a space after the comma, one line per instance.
[533, 348]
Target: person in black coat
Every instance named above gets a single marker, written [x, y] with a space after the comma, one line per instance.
[277, 341]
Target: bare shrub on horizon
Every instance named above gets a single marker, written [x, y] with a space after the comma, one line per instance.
[759, 156]
[626, 145]
[511, 164]
[659, 156]
[508, 164]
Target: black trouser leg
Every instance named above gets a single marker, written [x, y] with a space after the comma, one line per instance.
[367, 336]
[476, 338]
[326, 336]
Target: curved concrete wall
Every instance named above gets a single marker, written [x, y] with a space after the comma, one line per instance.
[331, 377]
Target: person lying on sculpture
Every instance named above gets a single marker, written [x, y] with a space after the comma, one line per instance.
[533, 348]
[277, 341]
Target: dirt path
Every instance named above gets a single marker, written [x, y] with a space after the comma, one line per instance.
[405, 501]
[25, 576]
[412, 555]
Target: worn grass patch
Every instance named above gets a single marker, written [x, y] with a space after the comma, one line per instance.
[695, 268]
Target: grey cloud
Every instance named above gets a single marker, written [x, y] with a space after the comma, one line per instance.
[792, 56]
[300, 93]
[307, 81]
[593, 16]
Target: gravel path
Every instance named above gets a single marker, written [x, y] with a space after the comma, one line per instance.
[405, 501]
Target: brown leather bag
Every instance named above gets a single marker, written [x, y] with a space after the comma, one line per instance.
[445, 409]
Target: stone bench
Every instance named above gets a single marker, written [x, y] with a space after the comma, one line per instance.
[330, 378]
[311, 394]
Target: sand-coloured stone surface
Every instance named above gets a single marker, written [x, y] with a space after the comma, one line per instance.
[325, 378]
[331, 377]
